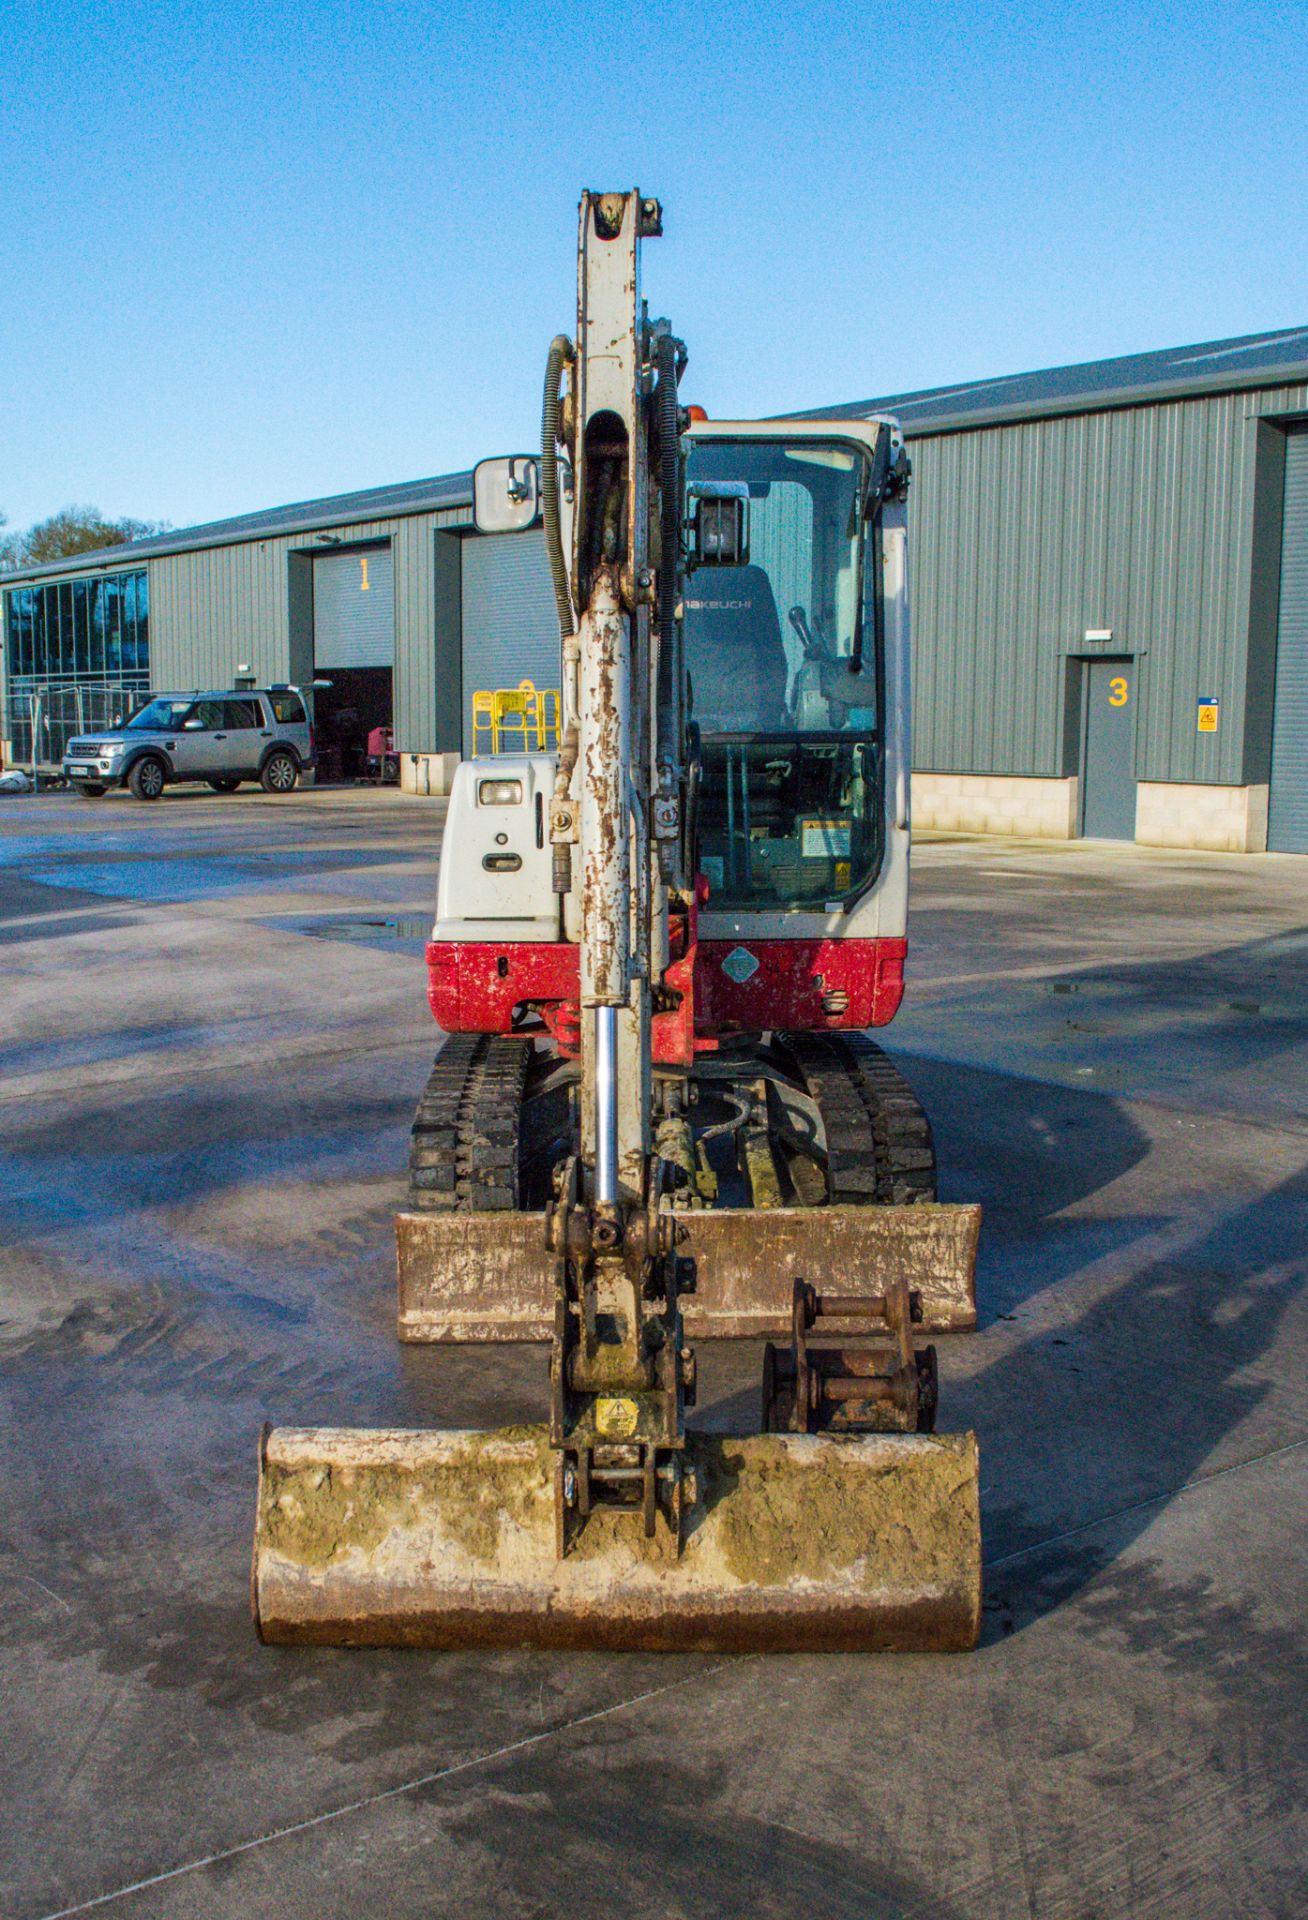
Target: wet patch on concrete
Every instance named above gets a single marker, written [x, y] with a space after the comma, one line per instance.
[194, 876]
[61, 921]
[402, 932]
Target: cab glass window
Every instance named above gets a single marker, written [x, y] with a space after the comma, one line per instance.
[240, 715]
[783, 656]
[288, 709]
[781, 645]
[792, 824]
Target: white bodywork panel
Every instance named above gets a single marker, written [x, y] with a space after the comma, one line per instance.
[475, 903]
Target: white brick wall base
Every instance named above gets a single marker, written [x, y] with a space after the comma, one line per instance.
[1168, 814]
[427, 772]
[995, 803]
[1222, 819]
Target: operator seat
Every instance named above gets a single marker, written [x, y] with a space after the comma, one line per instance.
[735, 652]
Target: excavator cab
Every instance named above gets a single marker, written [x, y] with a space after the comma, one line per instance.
[785, 661]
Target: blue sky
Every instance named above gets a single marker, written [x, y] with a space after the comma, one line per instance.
[254, 254]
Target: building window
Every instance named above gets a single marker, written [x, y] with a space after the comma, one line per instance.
[77, 658]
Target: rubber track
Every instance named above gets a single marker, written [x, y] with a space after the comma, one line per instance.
[879, 1146]
[463, 1154]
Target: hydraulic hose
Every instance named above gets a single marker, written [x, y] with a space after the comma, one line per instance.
[560, 355]
[669, 357]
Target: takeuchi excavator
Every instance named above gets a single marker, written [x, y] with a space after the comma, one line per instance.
[657, 1119]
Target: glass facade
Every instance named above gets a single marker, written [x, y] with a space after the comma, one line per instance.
[77, 656]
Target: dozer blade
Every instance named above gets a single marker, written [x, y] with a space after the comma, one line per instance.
[791, 1541]
[490, 1276]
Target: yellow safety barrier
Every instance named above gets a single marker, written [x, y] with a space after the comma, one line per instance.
[516, 718]
[483, 719]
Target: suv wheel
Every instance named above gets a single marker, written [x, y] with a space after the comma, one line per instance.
[91, 790]
[146, 779]
[280, 772]
[227, 784]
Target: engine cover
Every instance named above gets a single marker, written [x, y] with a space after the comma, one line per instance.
[496, 872]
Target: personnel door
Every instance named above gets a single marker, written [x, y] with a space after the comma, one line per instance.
[1108, 750]
[1287, 826]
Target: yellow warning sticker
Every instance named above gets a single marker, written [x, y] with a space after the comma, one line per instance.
[1209, 714]
[616, 1419]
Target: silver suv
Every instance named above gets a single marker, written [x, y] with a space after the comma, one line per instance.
[261, 734]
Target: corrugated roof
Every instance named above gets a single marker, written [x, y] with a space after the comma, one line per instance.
[337, 510]
[1256, 360]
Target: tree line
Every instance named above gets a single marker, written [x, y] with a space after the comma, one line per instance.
[70, 530]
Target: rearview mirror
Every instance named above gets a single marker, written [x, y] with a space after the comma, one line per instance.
[719, 524]
[192, 726]
[505, 494]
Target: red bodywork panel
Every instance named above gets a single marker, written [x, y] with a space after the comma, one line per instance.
[808, 986]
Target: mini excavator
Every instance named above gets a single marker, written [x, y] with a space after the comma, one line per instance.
[657, 1119]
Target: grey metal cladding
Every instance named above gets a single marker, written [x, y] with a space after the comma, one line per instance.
[445, 661]
[427, 632]
[1287, 824]
[220, 608]
[1025, 536]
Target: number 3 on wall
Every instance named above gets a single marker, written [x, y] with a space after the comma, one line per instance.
[1119, 692]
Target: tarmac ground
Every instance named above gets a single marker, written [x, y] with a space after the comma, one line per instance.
[214, 1032]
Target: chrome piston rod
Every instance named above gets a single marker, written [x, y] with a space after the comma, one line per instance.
[606, 1106]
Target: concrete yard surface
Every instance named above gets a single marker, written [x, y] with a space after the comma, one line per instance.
[214, 1032]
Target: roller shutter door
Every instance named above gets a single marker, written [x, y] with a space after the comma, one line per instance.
[353, 610]
[510, 622]
[1287, 822]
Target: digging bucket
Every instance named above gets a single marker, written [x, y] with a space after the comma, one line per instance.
[447, 1539]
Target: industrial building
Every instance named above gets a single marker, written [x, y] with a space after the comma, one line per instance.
[1109, 584]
